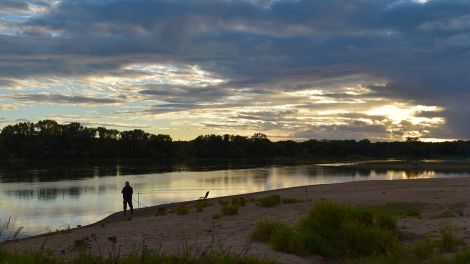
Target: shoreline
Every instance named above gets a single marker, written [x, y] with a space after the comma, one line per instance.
[166, 232]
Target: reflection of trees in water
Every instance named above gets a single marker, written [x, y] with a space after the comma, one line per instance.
[319, 171]
[47, 194]
[238, 177]
[32, 171]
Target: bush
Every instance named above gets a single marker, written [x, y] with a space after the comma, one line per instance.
[269, 201]
[229, 209]
[333, 230]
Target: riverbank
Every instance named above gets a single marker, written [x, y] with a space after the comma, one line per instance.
[442, 202]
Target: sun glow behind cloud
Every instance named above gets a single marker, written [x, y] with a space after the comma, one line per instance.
[290, 69]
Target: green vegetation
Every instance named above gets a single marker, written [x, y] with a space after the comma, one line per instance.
[335, 231]
[200, 205]
[360, 235]
[181, 210]
[229, 209]
[269, 201]
[161, 211]
[240, 201]
[145, 257]
[399, 209]
[423, 252]
[216, 216]
[49, 139]
[291, 200]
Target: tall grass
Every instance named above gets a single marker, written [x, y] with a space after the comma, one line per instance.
[142, 258]
[8, 231]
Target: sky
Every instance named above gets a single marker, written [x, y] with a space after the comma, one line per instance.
[291, 69]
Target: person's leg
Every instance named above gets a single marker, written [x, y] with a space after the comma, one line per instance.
[125, 206]
[130, 206]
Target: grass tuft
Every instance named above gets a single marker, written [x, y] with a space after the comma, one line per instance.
[291, 200]
[229, 209]
[269, 201]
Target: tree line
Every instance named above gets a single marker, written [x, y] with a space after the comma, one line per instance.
[49, 139]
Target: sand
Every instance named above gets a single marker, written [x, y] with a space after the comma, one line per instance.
[175, 233]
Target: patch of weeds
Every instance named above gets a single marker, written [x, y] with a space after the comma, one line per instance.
[8, 230]
[449, 242]
[136, 257]
[201, 204]
[250, 200]
[291, 200]
[425, 248]
[229, 209]
[216, 216]
[240, 201]
[181, 210]
[222, 202]
[161, 211]
[269, 201]
[400, 209]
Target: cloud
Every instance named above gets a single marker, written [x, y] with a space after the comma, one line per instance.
[63, 99]
[256, 61]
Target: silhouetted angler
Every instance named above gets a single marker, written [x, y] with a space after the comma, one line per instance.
[127, 197]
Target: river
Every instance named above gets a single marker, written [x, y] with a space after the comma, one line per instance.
[48, 197]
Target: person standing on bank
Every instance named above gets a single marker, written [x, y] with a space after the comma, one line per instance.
[127, 197]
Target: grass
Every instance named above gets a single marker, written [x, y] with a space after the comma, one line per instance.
[334, 230]
[161, 211]
[400, 209]
[201, 204]
[216, 216]
[8, 231]
[181, 210]
[145, 257]
[269, 201]
[229, 209]
[240, 201]
[291, 200]
[449, 242]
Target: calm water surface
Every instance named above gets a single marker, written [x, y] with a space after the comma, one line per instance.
[45, 197]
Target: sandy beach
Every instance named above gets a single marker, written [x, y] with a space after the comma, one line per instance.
[442, 202]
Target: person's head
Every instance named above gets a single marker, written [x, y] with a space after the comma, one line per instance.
[127, 183]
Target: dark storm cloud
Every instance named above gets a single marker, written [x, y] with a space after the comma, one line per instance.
[421, 50]
[63, 99]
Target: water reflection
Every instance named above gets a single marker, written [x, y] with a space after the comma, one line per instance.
[48, 201]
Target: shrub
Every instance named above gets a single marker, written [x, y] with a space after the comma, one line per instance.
[269, 201]
[335, 231]
[229, 209]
